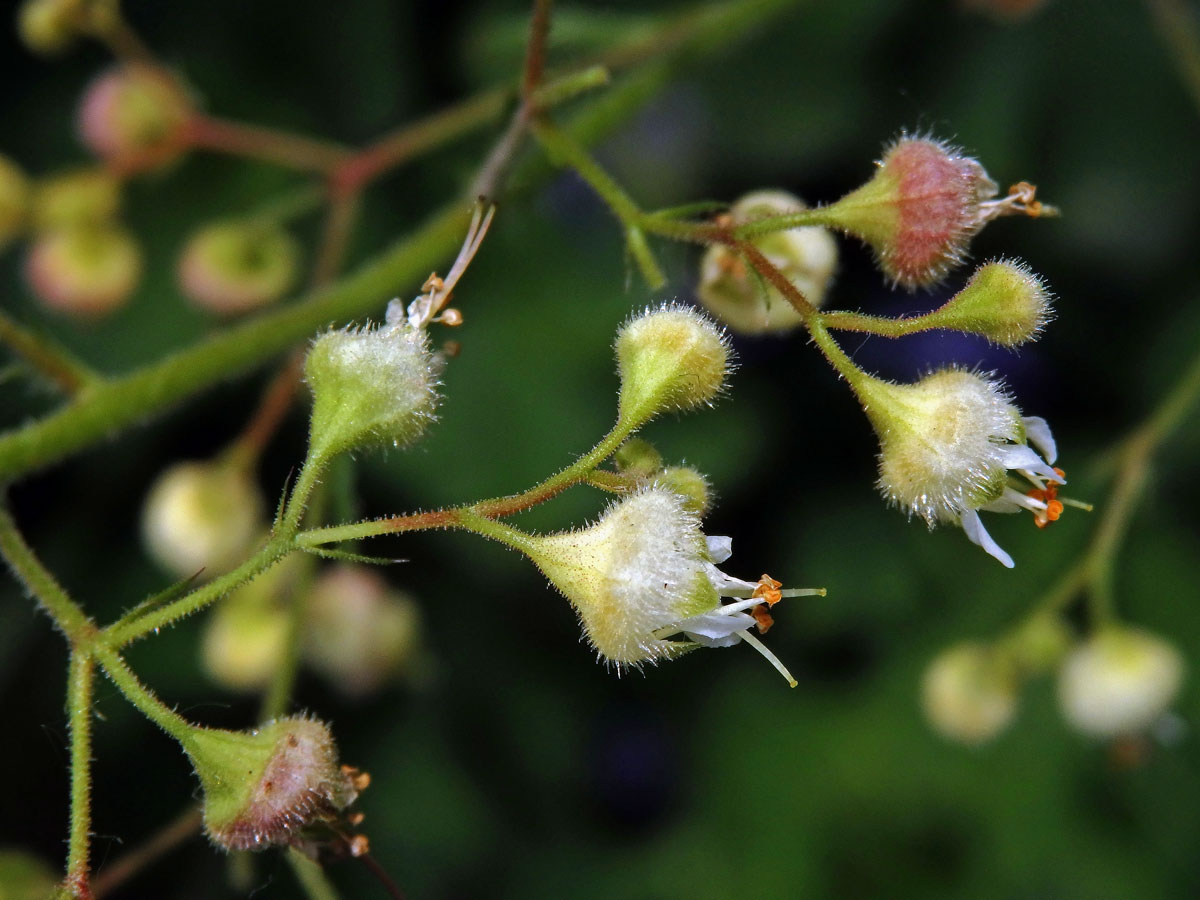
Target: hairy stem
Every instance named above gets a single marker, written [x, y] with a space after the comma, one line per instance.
[79, 711]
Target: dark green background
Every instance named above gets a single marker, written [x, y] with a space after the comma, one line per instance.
[524, 769]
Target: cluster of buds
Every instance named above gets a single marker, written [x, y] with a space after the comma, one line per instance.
[733, 292]
[1116, 683]
[81, 261]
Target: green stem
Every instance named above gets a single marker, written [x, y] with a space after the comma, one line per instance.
[46, 356]
[579, 471]
[69, 618]
[879, 325]
[313, 880]
[565, 151]
[141, 697]
[836, 355]
[127, 630]
[772, 224]
[79, 707]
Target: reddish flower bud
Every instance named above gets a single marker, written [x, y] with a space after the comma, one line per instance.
[263, 788]
[918, 213]
[84, 271]
[134, 118]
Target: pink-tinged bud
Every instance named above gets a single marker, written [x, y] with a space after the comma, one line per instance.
[235, 267]
[925, 203]
[265, 787]
[135, 118]
[14, 201]
[84, 271]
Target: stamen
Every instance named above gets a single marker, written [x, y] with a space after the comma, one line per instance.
[770, 657]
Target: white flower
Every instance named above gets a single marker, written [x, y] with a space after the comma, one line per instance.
[947, 446]
[645, 574]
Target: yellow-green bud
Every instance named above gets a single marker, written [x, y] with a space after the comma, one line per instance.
[969, 692]
[49, 27]
[76, 198]
[87, 271]
[638, 457]
[689, 484]
[14, 201]
[202, 516]
[806, 256]
[262, 788]
[669, 358]
[370, 387]
[359, 632]
[24, 876]
[246, 636]
[1004, 301]
[234, 267]
[1119, 681]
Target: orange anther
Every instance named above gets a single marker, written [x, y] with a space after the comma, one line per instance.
[768, 589]
[763, 619]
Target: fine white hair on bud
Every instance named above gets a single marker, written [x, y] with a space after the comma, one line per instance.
[669, 358]
[644, 583]
[947, 444]
[1119, 681]
[969, 692]
[371, 386]
[1004, 301]
[806, 257]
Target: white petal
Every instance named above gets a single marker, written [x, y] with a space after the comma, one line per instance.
[727, 585]
[1023, 457]
[977, 534]
[1038, 432]
[720, 548]
[716, 629]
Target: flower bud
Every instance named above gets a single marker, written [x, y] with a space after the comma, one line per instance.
[669, 358]
[1004, 301]
[359, 632]
[246, 636]
[87, 271]
[374, 386]
[638, 457]
[234, 267]
[82, 197]
[1119, 681]
[24, 876]
[806, 256]
[918, 213]
[262, 788]
[202, 516]
[14, 201]
[689, 484]
[49, 27]
[134, 117]
[969, 693]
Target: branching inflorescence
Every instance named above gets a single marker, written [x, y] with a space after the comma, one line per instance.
[643, 578]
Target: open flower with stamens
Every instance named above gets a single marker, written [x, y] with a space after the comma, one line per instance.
[645, 584]
[947, 446]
